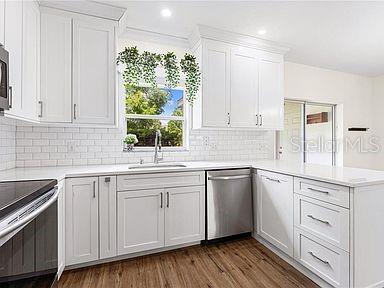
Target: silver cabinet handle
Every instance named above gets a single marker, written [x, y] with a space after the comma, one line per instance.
[94, 189]
[273, 180]
[74, 111]
[167, 199]
[235, 177]
[41, 109]
[318, 258]
[261, 120]
[317, 219]
[317, 190]
[107, 179]
[257, 119]
[229, 119]
[10, 102]
[161, 200]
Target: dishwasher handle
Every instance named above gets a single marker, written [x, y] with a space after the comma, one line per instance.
[234, 177]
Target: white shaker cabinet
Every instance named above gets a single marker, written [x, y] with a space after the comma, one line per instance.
[140, 220]
[107, 216]
[13, 43]
[271, 91]
[2, 22]
[216, 79]
[244, 88]
[56, 68]
[82, 225]
[93, 71]
[184, 215]
[275, 209]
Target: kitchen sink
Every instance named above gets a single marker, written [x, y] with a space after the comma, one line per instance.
[157, 166]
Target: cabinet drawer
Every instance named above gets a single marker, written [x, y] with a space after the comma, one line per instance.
[326, 221]
[159, 180]
[326, 261]
[331, 193]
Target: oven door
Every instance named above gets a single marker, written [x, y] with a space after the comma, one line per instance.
[29, 257]
[4, 80]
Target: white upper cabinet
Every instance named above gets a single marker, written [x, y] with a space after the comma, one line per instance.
[31, 59]
[215, 73]
[93, 72]
[244, 88]
[2, 22]
[271, 89]
[242, 81]
[13, 42]
[56, 70]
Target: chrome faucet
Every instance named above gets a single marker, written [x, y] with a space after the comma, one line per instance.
[156, 158]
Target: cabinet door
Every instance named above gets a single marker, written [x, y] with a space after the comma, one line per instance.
[140, 220]
[93, 72]
[2, 21]
[31, 59]
[184, 215]
[216, 71]
[61, 228]
[82, 227]
[13, 44]
[56, 68]
[271, 91]
[244, 88]
[107, 210]
[275, 209]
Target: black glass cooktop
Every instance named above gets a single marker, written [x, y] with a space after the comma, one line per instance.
[14, 195]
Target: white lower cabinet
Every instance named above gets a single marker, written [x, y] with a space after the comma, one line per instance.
[82, 227]
[140, 220]
[323, 259]
[184, 215]
[275, 209]
[61, 227]
[154, 218]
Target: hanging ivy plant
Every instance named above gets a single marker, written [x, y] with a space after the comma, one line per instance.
[149, 62]
[192, 73]
[172, 73]
[131, 58]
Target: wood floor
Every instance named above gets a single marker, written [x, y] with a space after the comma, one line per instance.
[241, 263]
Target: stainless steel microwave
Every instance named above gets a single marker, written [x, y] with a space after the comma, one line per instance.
[4, 80]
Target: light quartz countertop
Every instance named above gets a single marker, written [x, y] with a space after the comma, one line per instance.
[352, 177]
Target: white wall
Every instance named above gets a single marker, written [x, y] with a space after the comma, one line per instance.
[353, 94]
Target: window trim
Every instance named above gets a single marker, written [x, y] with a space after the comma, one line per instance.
[184, 118]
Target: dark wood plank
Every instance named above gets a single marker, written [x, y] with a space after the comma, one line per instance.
[243, 263]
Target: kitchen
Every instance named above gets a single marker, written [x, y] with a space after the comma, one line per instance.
[147, 139]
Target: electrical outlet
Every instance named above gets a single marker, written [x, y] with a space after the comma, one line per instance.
[206, 141]
[71, 146]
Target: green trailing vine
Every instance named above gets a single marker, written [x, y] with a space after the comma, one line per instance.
[172, 73]
[192, 73]
[131, 58]
[149, 62]
[142, 67]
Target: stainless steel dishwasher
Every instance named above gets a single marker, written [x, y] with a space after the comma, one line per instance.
[229, 203]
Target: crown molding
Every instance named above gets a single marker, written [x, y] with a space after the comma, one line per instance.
[206, 32]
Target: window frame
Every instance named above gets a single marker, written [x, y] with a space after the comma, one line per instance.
[183, 118]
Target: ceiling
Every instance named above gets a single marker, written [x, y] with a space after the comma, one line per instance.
[344, 36]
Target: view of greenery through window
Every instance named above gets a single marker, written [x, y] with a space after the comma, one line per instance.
[149, 109]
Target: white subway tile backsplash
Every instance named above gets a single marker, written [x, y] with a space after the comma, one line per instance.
[58, 146]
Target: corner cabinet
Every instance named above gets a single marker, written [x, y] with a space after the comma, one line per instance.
[242, 82]
[78, 69]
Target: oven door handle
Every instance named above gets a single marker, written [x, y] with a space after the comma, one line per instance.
[31, 216]
[234, 177]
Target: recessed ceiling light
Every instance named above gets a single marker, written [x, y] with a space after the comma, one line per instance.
[262, 32]
[166, 12]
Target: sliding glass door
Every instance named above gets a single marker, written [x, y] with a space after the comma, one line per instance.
[308, 134]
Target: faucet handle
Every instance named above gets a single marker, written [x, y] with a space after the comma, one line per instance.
[141, 160]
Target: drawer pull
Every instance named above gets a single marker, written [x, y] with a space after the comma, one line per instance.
[317, 219]
[318, 258]
[273, 180]
[161, 200]
[317, 190]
